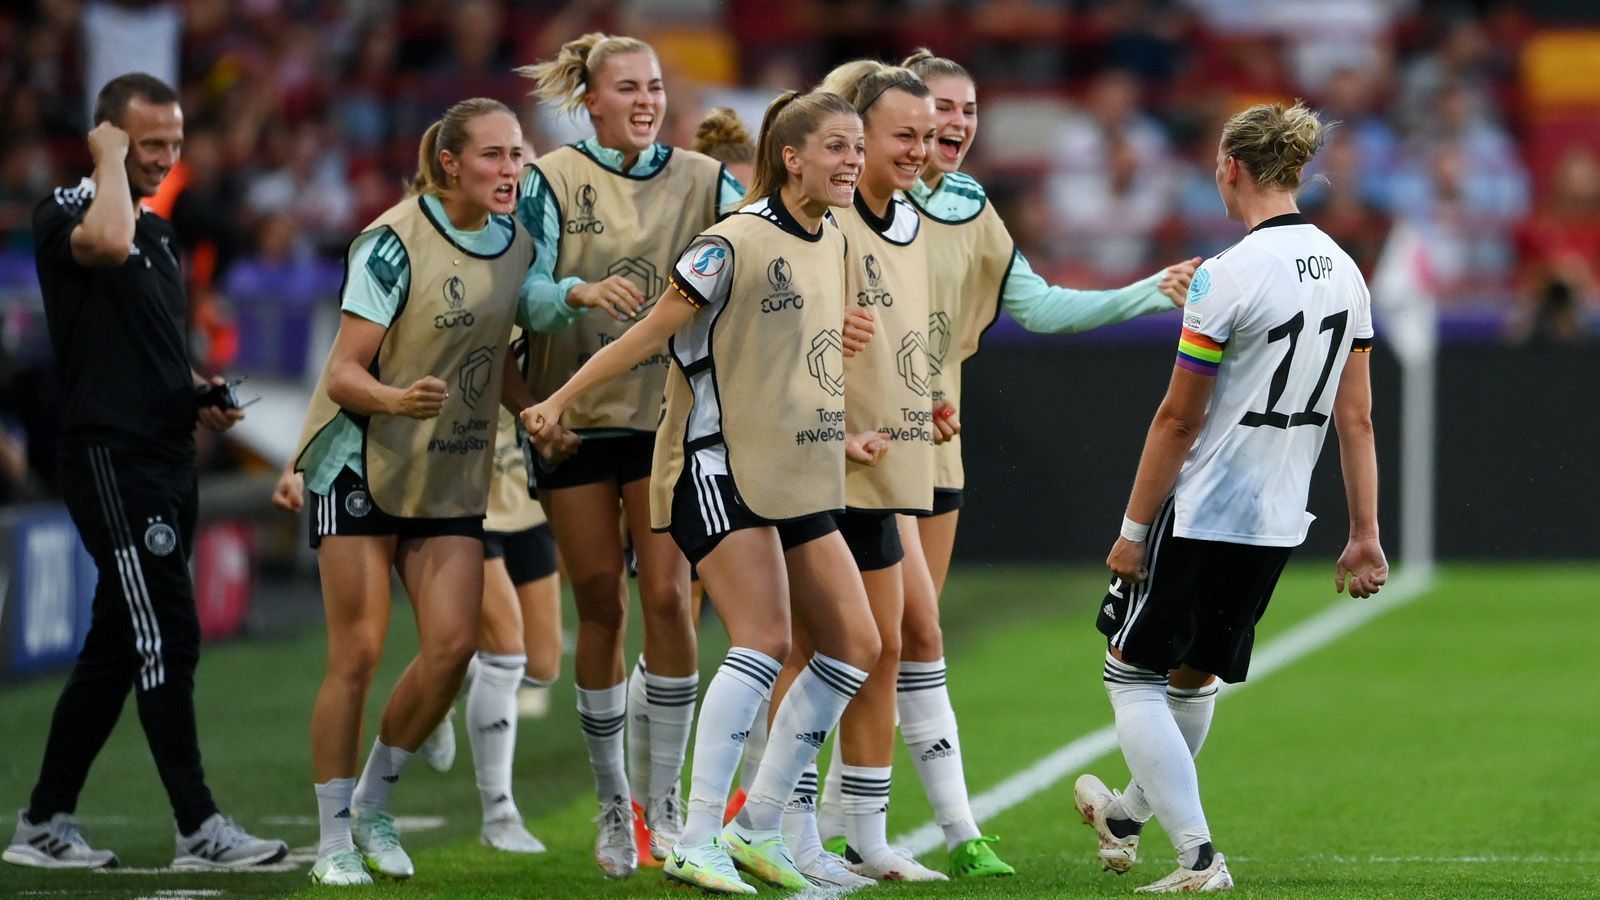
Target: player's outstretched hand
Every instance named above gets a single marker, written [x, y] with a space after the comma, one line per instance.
[859, 327]
[866, 447]
[616, 295]
[425, 398]
[1361, 567]
[1127, 560]
[946, 424]
[290, 492]
[1175, 281]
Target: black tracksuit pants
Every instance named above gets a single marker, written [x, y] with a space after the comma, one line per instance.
[135, 511]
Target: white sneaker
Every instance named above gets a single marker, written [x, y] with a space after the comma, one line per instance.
[705, 865]
[511, 835]
[664, 817]
[1214, 877]
[341, 869]
[56, 844]
[614, 848]
[826, 870]
[891, 865]
[439, 749]
[1091, 796]
[379, 844]
[219, 844]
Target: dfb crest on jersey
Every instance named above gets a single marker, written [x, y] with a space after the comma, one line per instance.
[159, 538]
[357, 504]
[825, 361]
[473, 376]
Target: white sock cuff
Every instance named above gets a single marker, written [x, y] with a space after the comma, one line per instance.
[601, 713]
[751, 667]
[1202, 694]
[528, 681]
[1119, 672]
[918, 675]
[865, 786]
[335, 788]
[843, 678]
[671, 690]
[517, 661]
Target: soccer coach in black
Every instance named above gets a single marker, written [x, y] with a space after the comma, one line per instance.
[116, 308]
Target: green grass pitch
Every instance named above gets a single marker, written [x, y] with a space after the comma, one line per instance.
[1445, 749]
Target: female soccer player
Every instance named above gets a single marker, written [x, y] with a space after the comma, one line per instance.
[887, 394]
[609, 215]
[1219, 500]
[751, 464]
[397, 454]
[974, 270]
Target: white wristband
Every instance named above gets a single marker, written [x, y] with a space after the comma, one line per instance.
[1133, 531]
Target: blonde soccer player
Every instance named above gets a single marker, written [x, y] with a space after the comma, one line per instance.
[887, 395]
[975, 270]
[1274, 346]
[397, 456]
[750, 468]
[609, 215]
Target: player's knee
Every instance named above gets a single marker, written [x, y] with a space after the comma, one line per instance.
[599, 603]
[544, 671]
[445, 653]
[889, 647]
[663, 597]
[921, 638]
[355, 665]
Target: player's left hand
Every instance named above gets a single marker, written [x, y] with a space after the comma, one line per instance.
[562, 445]
[1362, 567]
[1127, 560]
[866, 448]
[290, 492]
[542, 422]
[1175, 281]
[946, 424]
[216, 418]
[859, 327]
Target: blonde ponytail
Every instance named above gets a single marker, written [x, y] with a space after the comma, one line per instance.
[790, 119]
[449, 133]
[722, 136]
[564, 81]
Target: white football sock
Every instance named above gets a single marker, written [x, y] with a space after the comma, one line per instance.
[492, 729]
[670, 702]
[333, 816]
[809, 711]
[928, 725]
[800, 815]
[866, 810]
[742, 682]
[830, 808]
[1191, 709]
[750, 763]
[384, 767]
[638, 735]
[601, 714]
[1155, 751]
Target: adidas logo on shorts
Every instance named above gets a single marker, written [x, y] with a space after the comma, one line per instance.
[939, 750]
[814, 738]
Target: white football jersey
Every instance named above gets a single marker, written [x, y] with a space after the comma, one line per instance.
[1274, 317]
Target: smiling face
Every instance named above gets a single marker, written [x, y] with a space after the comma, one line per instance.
[828, 166]
[155, 141]
[899, 139]
[485, 173]
[955, 105]
[627, 101]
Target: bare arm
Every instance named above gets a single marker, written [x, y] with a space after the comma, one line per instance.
[352, 387]
[514, 393]
[1362, 561]
[105, 236]
[637, 344]
[1173, 431]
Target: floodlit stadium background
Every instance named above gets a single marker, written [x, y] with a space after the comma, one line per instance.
[1465, 179]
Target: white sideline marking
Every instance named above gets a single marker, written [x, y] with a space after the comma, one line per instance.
[404, 823]
[1300, 641]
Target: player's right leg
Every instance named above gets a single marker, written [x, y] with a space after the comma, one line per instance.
[539, 596]
[583, 518]
[356, 599]
[492, 710]
[745, 577]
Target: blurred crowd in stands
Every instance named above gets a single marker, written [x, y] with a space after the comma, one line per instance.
[1471, 128]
